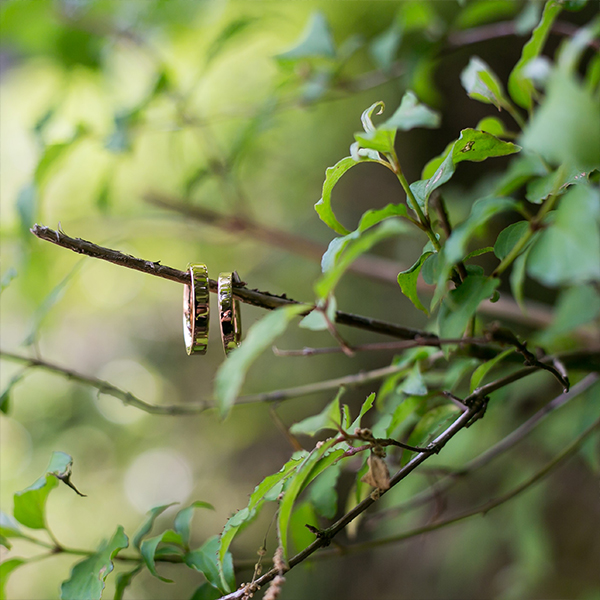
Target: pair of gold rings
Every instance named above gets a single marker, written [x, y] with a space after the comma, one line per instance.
[196, 311]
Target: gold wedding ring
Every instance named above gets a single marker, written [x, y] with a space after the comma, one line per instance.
[229, 313]
[196, 310]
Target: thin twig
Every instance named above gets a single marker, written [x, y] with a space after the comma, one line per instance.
[325, 537]
[570, 449]
[505, 444]
[254, 297]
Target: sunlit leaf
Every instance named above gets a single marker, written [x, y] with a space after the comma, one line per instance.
[476, 146]
[261, 335]
[323, 206]
[568, 250]
[306, 472]
[6, 568]
[88, 576]
[315, 41]
[369, 219]
[229, 33]
[366, 406]
[410, 114]
[30, 503]
[266, 491]
[482, 84]
[491, 125]
[325, 285]
[519, 86]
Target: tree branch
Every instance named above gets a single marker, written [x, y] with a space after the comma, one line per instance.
[505, 444]
[254, 297]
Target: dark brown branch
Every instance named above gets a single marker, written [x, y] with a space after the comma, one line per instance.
[373, 267]
[254, 297]
[490, 454]
[326, 535]
[507, 28]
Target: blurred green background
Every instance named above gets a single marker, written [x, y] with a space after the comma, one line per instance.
[104, 103]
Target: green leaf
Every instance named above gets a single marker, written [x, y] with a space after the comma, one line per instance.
[261, 335]
[576, 306]
[302, 477]
[384, 47]
[147, 525]
[564, 129]
[9, 527]
[88, 576]
[472, 145]
[521, 169]
[6, 568]
[328, 418]
[407, 280]
[414, 384]
[323, 494]
[366, 406]
[476, 146]
[491, 125]
[483, 369]
[367, 116]
[8, 276]
[50, 156]
[482, 84]
[369, 219]
[148, 551]
[380, 140]
[477, 13]
[315, 320]
[316, 41]
[26, 206]
[481, 212]
[124, 580]
[568, 251]
[430, 426]
[183, 520]
[30, 503]
[205, 560]
[5, 396]
[303, 514]
[266, 491]
[410, 114]
[517, 275]
[323, 206]
[520, 86]
[325, 285]
[230, 32]
[403, 412]
[539, 189]
[508, 237]
[461, 304]
[207, 592]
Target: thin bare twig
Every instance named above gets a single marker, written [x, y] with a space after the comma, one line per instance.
[254, 297]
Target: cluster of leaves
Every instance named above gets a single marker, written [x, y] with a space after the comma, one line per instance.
[88, 577]
[551, 190]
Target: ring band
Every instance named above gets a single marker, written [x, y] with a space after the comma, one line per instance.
[196, 310]
[229, 314]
